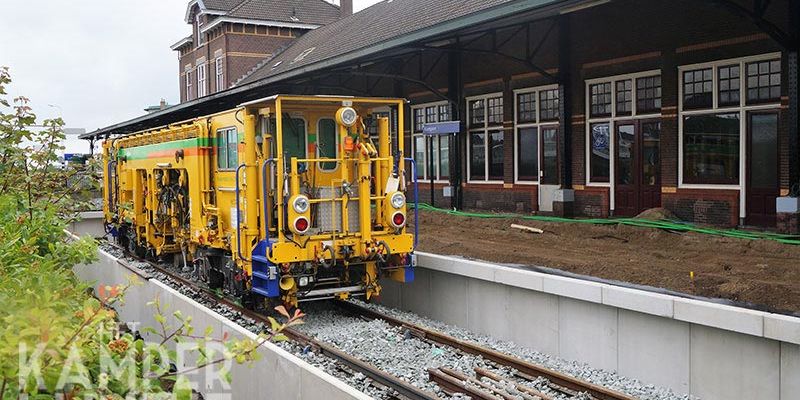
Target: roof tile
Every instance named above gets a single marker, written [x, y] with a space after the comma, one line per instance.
[317, 12]
[380, 22]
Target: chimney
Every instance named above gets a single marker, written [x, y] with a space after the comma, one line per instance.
[346, 7]
[163, 104]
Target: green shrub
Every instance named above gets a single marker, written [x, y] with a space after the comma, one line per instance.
[57, 340]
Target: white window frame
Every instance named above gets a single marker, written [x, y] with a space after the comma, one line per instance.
[220, 74]
[612, 121]
[485, 130]
[202, 80]
[189, 82]
[415, 134]
[743, 109]
[199, 30]
[538, 124]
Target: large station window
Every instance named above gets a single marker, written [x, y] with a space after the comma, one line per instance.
[711, 149]
[227, 148]
[716, 99]
[440, 145]
[486, 139]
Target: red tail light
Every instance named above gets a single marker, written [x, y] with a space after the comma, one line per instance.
[301, 224]
[398, 219]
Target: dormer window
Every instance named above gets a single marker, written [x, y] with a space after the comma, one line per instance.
[199, 25]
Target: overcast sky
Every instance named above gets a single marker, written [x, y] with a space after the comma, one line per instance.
[94, 62]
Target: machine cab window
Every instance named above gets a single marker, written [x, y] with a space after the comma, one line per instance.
[227, 148]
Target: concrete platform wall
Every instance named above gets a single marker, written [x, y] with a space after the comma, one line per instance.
[700, 348]
[89, 223]
[277, 375]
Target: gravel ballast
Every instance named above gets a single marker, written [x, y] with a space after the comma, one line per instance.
[579, 370]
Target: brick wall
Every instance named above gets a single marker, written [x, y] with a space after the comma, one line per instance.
[243, 47]
[519, 198]
[714, 207]
[425, 194]
[592, 202]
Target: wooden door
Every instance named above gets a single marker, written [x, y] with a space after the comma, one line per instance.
[650, 165]
[637, 164]
[762, 187]
[626, 182]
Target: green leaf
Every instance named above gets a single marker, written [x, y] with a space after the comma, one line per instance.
[226, 376]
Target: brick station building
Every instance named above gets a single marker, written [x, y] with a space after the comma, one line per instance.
[569, 107]
[231, 37]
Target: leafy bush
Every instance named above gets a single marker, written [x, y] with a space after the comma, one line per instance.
[57, 340]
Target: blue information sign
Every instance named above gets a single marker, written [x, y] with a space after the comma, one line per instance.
[441, 128]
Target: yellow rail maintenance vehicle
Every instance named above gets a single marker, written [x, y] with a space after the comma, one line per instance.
[288, 198]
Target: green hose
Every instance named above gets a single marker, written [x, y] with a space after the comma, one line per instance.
[642, 223]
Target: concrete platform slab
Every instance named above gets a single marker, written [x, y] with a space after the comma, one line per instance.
[654, 350]
[790, 371]
[720, 316]
[637, 300]
[782, 327]
[534, 319]
[451, 295]
[573, 288]
[730, 366]
[489, 318]
[587, 332]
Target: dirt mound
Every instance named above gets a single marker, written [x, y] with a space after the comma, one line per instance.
[658, 214]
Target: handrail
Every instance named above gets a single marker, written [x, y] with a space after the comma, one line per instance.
[111, 188]
[238, 213]
[416, 199]
[264, 193]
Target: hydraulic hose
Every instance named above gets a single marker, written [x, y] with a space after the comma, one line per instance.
[676, 226]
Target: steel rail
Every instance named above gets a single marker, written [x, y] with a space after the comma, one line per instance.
[524, 367]
[403, 388]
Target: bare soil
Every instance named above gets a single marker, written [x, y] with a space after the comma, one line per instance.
[760, 272]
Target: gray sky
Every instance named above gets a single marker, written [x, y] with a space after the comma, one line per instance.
[97, 62]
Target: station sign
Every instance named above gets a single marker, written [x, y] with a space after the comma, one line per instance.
[441, 128]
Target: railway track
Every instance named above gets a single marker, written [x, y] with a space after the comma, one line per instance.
[484, 385]
[476, 387]
[404, 390]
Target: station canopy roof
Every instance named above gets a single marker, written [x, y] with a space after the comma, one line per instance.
[383, 27]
